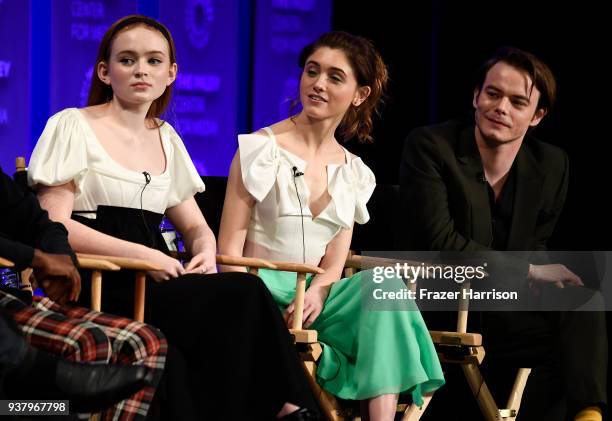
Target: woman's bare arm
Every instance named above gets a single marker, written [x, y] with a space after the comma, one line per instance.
[59, 202]
[199, 238]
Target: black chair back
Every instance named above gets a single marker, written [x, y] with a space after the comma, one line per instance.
[211, 201]
[379, 234]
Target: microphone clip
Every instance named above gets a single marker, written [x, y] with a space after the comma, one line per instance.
[296, 173]
[147, 177]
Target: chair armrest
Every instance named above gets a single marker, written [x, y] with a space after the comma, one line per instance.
[252, 262]
[357, 261]
[138, 265]
[5, 263]
[96, 264]
[298, 267]
[455, 338]
[123, 262]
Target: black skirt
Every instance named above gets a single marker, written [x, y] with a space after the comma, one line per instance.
[231, 356]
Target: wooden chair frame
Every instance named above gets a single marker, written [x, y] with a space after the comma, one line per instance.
[5, 263]
[307, 340]
[122, 263]
[461, 347]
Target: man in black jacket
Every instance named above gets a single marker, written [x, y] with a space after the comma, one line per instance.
[487, 186]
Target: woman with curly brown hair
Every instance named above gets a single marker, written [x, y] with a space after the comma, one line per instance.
[294, 193]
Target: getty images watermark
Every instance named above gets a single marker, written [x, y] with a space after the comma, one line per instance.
[458, 274]
[483, 280]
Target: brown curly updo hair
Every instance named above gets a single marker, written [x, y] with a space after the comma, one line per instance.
[370, 70]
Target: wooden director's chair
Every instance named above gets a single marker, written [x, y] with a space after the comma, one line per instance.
[307, 339]
[122, 263]
[463, 348]
[97, 264]
[457, 347]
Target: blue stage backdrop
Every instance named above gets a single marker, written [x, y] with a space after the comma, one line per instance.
[206, 101]
[282, 29]
[14, 82]
[235, 71]
[76, 30]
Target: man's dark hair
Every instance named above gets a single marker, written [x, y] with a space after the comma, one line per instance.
[536, 69]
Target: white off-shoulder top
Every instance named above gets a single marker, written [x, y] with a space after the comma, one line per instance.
[275, 228]
[68, 150]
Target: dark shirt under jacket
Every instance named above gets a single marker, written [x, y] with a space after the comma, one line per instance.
[24, 226]
[501, 211]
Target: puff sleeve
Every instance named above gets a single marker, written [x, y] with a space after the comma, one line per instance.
[364, 183]
[351, 188]
[60, 155]
[259, 162]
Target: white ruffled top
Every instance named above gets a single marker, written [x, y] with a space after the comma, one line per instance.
[275, 230]
[68, 150]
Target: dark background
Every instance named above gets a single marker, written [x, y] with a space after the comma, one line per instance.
[433, 51]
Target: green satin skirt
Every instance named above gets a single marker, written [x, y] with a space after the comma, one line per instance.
[370, 346]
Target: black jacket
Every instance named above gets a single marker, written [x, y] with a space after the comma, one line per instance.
[445, 202]
[24, 226]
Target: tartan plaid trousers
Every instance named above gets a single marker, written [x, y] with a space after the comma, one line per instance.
[80, 334]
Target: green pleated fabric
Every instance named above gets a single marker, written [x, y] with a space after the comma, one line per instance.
[370, 347]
